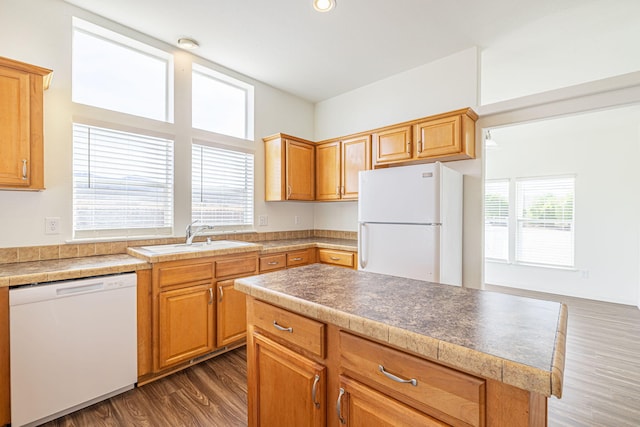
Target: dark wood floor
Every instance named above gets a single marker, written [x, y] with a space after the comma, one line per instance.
[601, 381]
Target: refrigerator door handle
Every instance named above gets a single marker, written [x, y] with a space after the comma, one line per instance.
[362, 245]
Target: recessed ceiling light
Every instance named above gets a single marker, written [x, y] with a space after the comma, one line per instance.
[186, 43]
[324, 5]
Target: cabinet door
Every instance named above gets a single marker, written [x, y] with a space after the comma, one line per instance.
[328, 171]
[356, 157]
[440, 137]
[15, 128]
[185, 324]
[361, 406]
[290, 388]
[300, 171]
[5, 387]
[231, 314]
[393, 145]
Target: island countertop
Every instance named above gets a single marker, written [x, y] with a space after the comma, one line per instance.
[516, 340]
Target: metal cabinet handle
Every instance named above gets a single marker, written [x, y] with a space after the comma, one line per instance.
[210, 296]
[273, 263]
[296, 259]
[24, 169]
[281, 328]
[288, 191]
[342, 190]
[334, 258]
[337, 191]
[408, 147]
[339, 407]
[412, 381]
[419, 146]
[221, 291]
[314, 391]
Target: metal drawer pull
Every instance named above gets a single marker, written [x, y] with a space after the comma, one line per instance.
[334, 258]
[24, 169]
[273, 263]
[210, 296]
[314, 391]
[296, 259]
[281, 328]
[339, 406]
[412, 381]
[221, 293]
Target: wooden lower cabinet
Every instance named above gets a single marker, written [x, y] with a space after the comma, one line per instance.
[5, 385]
[282, 260]
[351, 389]
[231, 314]
[362, 406]
[337, 257]
[185, 324]
[289, 389]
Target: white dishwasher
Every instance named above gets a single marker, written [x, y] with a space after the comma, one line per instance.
[73, 343]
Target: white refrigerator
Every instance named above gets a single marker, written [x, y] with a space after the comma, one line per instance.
[410, 222]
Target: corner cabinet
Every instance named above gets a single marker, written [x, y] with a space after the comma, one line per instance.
[21, 125]
[444, 137]
[289, 168]
[337, 167]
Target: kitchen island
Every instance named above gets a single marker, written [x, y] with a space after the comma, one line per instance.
[375, 348]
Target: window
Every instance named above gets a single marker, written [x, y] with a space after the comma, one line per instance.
[535, 228]
[222, 187]
[122, 183]
[496, 219]
[545, 214]
[221, 104]
[116, 73]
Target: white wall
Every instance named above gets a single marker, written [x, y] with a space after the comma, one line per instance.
[591, 41]
[601, 149]
[444, 85]
[39, 32]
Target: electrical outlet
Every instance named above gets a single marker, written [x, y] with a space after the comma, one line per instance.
[296, 219]
[263, 220]
[52, 225]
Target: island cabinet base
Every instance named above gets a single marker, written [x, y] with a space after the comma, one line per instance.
[305, 372]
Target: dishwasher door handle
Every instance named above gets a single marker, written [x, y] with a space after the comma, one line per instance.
[80, 289]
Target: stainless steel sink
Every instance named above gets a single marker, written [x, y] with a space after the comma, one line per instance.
[195, 247]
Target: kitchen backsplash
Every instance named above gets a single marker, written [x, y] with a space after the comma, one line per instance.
[75, 250]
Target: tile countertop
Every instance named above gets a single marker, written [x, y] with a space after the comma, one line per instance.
[519, 341]
[22, 273]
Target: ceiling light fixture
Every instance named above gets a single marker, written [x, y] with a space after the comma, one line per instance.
[324, 5]
[186, 43]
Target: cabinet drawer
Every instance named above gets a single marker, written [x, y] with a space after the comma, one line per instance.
[272, 262]
[299, 258]
[290, 327]
[236, 266]
[342, 258]
[195, 272]
[438, 390]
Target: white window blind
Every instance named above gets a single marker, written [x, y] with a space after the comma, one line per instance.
[496, 219]
[545, 221]
[122, 183]
[222, 187]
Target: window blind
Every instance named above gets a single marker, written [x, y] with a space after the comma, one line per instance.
[122, 183]
[222, 186]
[496, 219]
[545, 221]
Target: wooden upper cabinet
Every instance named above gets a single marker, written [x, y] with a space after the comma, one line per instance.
[444, 137]
[21, 125]
[337, 167]
[393, 144]
[289, 168]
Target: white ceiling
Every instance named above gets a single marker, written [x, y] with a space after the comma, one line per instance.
[316, 56]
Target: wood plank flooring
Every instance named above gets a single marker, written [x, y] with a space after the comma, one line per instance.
[601, 381]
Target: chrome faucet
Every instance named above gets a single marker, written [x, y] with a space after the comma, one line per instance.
[191, 232]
